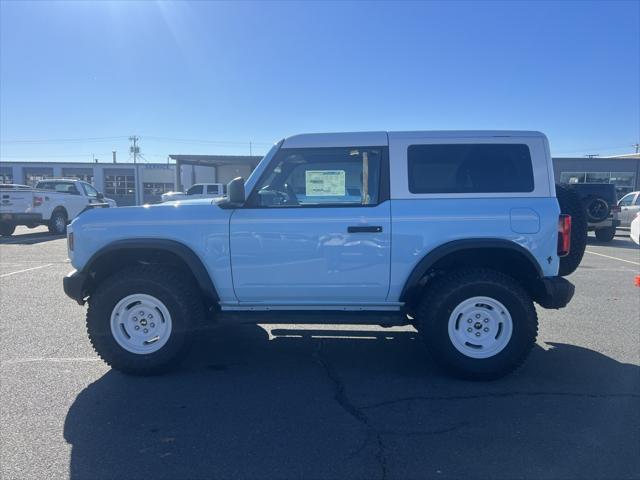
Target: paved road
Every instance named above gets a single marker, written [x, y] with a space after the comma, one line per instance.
[282, 401]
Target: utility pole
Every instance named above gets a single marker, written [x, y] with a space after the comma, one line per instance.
[134, 149]
[113, 154]
[250, 152]
[637, 147]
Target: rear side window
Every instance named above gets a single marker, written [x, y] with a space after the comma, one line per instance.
[470, 168]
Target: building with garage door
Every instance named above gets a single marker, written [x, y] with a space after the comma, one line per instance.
[126, 183]
[135, 184]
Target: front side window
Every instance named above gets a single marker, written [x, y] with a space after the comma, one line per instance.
[626, 200]
[320, 177]
[213, 189]
[89, 190]
[470, 168]
[195, 190]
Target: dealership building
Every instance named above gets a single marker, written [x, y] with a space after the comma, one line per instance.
[131, 184]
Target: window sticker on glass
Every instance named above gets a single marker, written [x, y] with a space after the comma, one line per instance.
[323, 183]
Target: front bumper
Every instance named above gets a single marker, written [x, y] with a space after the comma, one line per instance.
[74, 285]
[556, 292]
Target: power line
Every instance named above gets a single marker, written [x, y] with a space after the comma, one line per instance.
[216, 142]
[53, 156]
[62, 140]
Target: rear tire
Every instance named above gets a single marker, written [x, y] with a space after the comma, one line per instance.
[477, 324]
[7, 229]
[58, 223]
[605, 234]
[151, 334]
[570, 204]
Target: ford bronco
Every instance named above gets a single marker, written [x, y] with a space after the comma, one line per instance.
[455, 233]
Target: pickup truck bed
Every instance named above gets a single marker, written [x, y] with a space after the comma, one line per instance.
[24, 205]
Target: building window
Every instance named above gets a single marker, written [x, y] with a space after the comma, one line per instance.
[624, 181]
[34, 175]
[6, 177]
[156, 188]
[598, 177]
[119, 185]
[85, 176]
[572, 177]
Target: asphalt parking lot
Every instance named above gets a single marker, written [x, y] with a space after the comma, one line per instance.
[283, 401]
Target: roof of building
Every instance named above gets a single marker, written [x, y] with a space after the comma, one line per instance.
[217, 160]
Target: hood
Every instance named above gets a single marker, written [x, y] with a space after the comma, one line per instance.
[126, 218]
[185, 201]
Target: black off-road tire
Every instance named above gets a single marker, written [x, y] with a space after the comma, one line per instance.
[438, 304]
[570, 204]
[179, 294]
[58, 222]
[7, 229]
[605, 234]
[597, 209]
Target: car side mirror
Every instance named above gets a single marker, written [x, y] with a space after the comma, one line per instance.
[235, 191]
[100, 196]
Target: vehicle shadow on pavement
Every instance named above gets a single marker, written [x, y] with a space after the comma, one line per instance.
[365, 405]
[617, 242]
[29, 238]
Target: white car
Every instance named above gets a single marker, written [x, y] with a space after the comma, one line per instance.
[629, 208]
[52, 202]
[199, 190]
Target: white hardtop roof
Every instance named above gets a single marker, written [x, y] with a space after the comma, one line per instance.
[375, 139]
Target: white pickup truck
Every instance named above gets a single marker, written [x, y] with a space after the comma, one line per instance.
[52, 202]
[199, 190]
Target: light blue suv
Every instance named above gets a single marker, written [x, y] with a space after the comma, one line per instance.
[456, 233]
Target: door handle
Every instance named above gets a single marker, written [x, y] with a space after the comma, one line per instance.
[364, 229]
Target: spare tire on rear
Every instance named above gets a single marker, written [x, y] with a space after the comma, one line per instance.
[570, 204]
[597, 209]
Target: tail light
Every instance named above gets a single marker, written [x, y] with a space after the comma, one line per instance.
[37, 201]
[564, 235]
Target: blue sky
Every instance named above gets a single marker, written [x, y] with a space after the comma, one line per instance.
[234, 72]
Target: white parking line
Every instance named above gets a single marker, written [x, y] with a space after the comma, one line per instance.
[25, 270]
[613, 258]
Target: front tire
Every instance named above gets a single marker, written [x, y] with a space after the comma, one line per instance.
[58, 223]
[141, 319]
[477, 324]
[606, 234]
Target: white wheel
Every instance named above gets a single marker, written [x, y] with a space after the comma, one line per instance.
[480, 327]
[141, 324]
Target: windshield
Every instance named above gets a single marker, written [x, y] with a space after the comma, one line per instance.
[255, 174]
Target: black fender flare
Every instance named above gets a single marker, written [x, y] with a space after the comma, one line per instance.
[186, 254]
[423, 266]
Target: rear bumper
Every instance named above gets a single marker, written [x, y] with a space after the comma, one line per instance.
[608, 223]
[74, 285]
[556, 292]
[21, 218]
